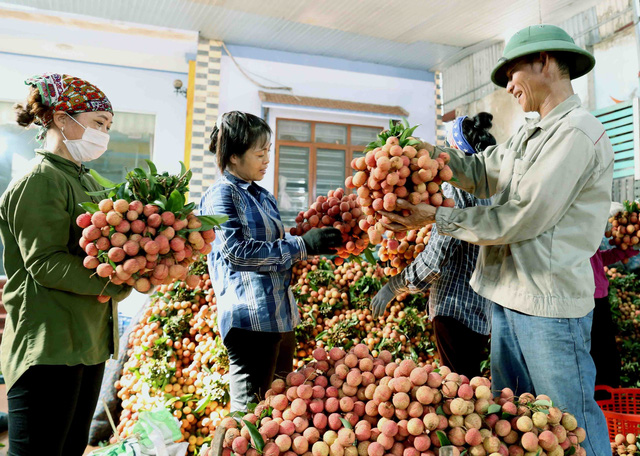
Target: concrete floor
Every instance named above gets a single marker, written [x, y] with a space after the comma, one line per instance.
[4, 437]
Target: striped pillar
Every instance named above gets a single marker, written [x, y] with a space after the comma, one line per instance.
[205, 113]
[440, 129]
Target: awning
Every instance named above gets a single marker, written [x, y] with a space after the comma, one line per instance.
[327, 103]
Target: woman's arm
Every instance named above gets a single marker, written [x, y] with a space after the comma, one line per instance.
[616, 254]
[240, 253]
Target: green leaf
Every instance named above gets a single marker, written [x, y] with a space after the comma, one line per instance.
[345, 423]
[183, 169]
[171, 401]
[442, 437]
[236, 415]
[186, 210]
[413, 142]
[160, 203]
[102, 193]
[121, 193]
[186, 397]
[405, 122]
[368, 254]
[494, 408]
[408, 132]
[251, 406]
[440, 411]
[570, 451]
[140, 173]
[538, 453]
[152, 167]
[255, 435]
[215, 220]
[89, 207]
[266, 412]
[102, 180]
[176, 201]
[201, 405]
[390, 124]
[542, 403]
[322, 334]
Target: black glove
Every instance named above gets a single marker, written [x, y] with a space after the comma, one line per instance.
[322, 241]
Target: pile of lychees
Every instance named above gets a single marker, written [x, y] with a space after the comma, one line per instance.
[338, 210]
[352, 404]
[392, 168]
[625, 226]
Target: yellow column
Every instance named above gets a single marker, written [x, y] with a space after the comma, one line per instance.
[189, 130]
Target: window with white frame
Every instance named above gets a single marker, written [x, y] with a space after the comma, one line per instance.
[313, 158]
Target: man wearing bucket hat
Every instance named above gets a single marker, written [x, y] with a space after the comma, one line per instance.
[551, 184]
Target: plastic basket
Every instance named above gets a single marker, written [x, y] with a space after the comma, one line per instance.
[622, 410]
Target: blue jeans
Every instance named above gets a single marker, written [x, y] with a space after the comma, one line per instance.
[550, 356]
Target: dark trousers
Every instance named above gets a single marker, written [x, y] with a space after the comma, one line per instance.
[50, 410]
[254, 358]
[459, 347]
[603, 345]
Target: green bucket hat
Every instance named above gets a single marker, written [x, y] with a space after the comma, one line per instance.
[539, 38]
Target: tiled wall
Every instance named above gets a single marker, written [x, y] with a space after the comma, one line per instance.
[205, 113]
[440, 129]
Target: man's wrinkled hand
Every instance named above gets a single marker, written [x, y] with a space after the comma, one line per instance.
[421, 215]
[428, 146]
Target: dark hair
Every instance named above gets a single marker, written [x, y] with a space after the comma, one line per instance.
[476, 131]
[564, 61]
[33, 111]
[239, 131]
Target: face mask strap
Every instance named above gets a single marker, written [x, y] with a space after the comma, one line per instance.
[72, 118]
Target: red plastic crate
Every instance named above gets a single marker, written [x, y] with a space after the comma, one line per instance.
[622, 411]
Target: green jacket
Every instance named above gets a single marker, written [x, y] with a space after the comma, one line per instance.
[551, 188]
[53, 316]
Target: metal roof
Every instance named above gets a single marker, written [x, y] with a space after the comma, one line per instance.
[419, 34]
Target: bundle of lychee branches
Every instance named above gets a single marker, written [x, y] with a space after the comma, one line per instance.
[142, 232]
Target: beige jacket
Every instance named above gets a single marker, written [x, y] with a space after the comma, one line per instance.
[551, 184]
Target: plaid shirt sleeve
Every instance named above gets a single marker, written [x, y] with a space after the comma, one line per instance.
[238, 249]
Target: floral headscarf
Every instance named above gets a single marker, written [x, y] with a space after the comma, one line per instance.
[69, 94]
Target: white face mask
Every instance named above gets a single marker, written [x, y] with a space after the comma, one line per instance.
[90, 147]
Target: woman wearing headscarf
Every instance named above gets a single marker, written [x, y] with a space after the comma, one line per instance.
[57, 335]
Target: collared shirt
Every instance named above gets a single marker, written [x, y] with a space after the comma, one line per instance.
[445, 266]
[53, 314]
[250, 264]
[551, 183]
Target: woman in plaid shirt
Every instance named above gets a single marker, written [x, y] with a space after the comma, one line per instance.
[250, 264]
[461, 318]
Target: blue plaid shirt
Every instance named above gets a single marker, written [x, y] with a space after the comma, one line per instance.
[446, 265]
[250, 264]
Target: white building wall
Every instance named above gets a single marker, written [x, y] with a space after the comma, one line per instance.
[617, 68]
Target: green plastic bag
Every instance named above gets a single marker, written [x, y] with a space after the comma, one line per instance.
[126, 447]
[155, 433]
